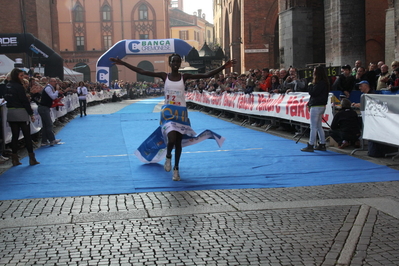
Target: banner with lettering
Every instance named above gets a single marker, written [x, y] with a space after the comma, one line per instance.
[292, 106]
[380, 114]
[173, 118]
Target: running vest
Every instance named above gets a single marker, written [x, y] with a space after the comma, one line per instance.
[174, 92]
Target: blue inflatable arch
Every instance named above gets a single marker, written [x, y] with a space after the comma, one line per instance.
[138, 47]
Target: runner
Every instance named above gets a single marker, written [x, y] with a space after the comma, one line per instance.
[174, 102]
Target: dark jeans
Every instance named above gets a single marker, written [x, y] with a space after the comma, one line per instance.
[47, 129]
[15, 129]
[82, 105]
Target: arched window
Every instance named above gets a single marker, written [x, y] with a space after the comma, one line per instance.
[106, 13]
[143, 12]
[78, 13]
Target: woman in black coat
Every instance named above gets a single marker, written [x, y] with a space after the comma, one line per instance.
[19, 115]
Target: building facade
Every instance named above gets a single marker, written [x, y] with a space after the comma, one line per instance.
[89, 28]
[38, 17]
[283, 33]
[193, 29]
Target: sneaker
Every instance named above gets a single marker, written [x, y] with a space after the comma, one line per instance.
[167, 166]
[3, 159]
[176, 176]
[54, 142]
[44, 144]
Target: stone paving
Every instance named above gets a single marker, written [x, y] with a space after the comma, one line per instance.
[345, 224]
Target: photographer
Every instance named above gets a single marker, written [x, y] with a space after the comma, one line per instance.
[345, 127]
[50, 93]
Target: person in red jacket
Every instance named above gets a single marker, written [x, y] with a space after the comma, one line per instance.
[266, 81]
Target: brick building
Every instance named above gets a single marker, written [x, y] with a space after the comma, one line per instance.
[38, 17]
[258, 33]
[281, 33]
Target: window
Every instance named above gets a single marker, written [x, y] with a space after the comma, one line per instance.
[79, 14]
[107, 41]
[144, 37]
[143, 12]
[106, 13]
[183, 34]
[80, 43]
[174, 4]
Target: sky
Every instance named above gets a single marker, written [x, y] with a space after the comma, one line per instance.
[191, 6]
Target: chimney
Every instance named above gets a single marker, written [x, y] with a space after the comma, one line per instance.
[199, 13]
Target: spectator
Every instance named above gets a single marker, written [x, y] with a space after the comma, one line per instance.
[293, 83]
[394, 65]
[395, 86]
[345, 127]
[82, 93]
[265, 82]
[358, 64]
[282, 76]
[378, 68]
[3, 85]
[371, 75]
[49, 94]
[360, 75]
[364, 87]
[383, 78]
[276, 87]
[250, 82]
[317, 104]
[19, 115]
[345, 81]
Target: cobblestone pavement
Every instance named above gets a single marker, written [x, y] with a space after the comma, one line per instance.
[345, 224]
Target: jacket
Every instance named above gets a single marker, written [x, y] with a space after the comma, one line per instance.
[15, 96]
[318, 94]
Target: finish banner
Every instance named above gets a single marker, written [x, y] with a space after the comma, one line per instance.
[292, 106]
[380, 114]
[173, 118]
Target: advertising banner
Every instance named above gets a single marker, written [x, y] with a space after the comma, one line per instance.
[292, 106]
[380, 114]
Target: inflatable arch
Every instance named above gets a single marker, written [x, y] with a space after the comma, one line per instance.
[138, 47]
[14, 43]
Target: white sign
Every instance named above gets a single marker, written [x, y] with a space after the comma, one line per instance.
[380, 114]
[164, 46]
[252, 51]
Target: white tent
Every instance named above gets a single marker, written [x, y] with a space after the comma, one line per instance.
[6, 64]
[69, 74]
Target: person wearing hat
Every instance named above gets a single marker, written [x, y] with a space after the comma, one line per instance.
[345, 81]
[364, 87]
[345, 127]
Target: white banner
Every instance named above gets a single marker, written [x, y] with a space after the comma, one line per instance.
[292, 106]
[166, 46]
[380, 114]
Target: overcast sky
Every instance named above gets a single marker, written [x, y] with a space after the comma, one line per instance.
[191, 6]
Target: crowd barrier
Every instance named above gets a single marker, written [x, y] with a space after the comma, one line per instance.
[70, 102]
[291, 106]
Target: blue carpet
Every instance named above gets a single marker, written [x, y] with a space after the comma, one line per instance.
[97, 158]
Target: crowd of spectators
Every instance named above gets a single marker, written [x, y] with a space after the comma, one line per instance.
[288, 80]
